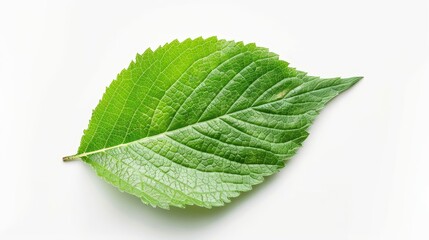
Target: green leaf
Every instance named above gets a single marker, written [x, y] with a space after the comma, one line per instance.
[199, 121]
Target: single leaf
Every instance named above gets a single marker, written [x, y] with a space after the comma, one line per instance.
[199, 121]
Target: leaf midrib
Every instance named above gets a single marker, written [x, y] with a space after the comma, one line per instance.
[173, 131]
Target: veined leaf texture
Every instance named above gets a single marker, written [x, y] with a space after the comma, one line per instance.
[200, 121]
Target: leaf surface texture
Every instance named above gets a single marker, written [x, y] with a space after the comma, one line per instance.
[199, 121]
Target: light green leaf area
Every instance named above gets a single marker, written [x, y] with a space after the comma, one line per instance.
[200, 121]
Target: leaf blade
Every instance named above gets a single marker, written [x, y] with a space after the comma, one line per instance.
[224, 116]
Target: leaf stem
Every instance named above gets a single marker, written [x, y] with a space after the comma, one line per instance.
[70, 158]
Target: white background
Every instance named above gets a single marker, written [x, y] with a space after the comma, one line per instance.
[363, 173]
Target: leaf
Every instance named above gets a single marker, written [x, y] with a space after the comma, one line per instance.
[199, 121]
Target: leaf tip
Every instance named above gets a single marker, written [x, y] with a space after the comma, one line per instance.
[354, 80]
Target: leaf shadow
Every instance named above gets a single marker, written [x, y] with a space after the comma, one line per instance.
[189, 217]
